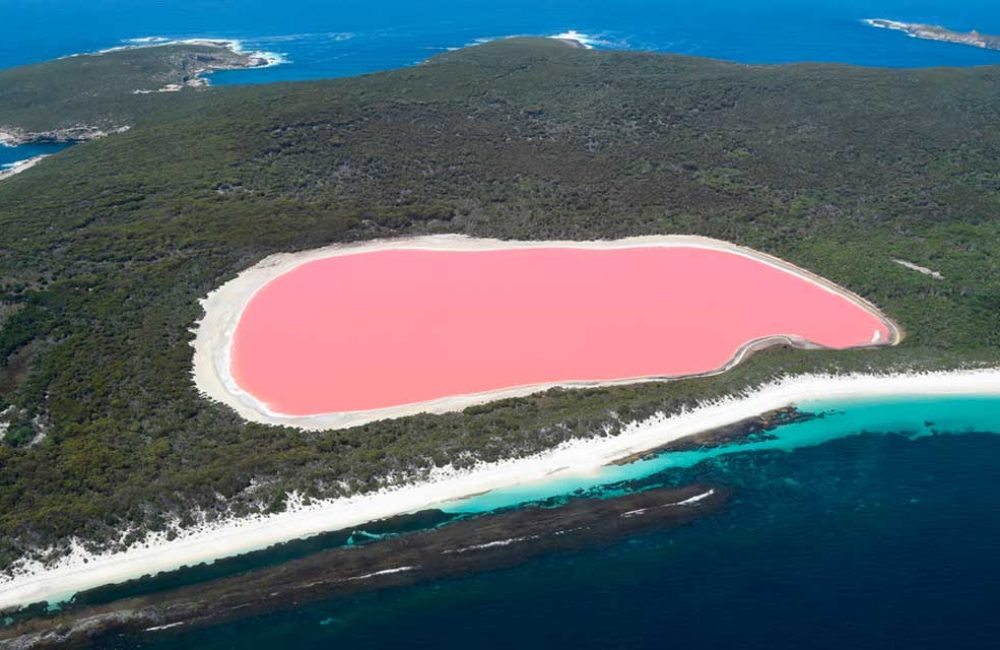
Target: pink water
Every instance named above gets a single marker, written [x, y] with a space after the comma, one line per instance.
[387, 328]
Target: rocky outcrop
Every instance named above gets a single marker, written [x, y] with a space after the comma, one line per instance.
[938, 33]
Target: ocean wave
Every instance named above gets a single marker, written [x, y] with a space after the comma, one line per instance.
[588, 41]
[147, 40]
[383, 572]
[686, 502]
[235, 45]
[335, 37]
[487, 545]
[9, 169]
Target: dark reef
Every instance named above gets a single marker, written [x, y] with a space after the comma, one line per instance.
[472, 545]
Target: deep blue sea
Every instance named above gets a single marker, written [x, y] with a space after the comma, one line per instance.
[324, 38]
[874, 527]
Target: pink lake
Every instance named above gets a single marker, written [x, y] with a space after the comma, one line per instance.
[393, 327]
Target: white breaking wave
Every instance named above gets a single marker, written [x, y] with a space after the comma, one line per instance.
[156, 628]
[335, 37]
[686, 502]
[585, 40]
[9, 169]
[233, 44]
[588, 41]
[695, 499]
[147, 40]
[499, 542]
[383, 572]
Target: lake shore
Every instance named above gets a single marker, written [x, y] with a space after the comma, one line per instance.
[80, 570]
[224, 307]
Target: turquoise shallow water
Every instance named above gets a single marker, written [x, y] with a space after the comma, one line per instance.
[874, 523]
[903, 416]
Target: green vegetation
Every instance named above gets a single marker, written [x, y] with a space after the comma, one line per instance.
[74, 97]
[107, 247]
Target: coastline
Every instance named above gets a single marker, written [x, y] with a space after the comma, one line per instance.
[264, 58]
[463, 547]
[576, 39]
[80, 570]
[15, 137]
[936, 33]
[224, 306]
[202, 67]
[21, 165]
[572, 38]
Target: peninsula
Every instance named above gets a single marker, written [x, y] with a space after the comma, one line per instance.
[937, 33]
[87, 96]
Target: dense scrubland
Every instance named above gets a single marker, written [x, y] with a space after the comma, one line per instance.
[75, 98]
[106, 248]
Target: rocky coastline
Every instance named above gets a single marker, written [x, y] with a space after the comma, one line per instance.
[937, 33]
[15, 137]
[190, 62]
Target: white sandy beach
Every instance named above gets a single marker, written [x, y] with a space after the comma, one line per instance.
[80, 570]
[19, 166]
[224, 307]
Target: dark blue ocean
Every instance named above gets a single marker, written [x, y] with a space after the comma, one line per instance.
[871, 528]
[324, 38]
